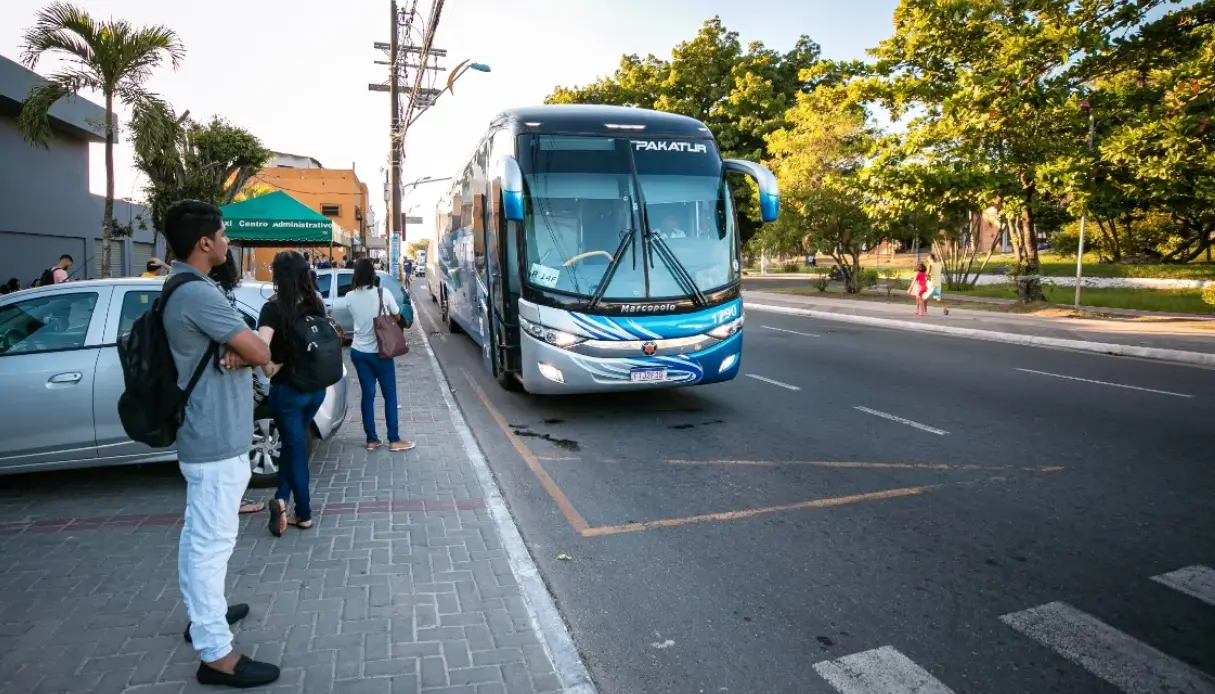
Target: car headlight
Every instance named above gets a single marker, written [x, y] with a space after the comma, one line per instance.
[557, 338]
[725, 330]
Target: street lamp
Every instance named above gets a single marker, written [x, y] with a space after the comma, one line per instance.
[461, 69]
[1083, 213]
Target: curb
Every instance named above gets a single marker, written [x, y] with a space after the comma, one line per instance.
[542, 611]
[1158, 353]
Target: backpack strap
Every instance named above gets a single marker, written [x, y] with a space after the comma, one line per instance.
[171, 285]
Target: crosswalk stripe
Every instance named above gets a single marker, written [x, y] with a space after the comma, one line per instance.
[1195, 581]
[879, 671]
[1128, 664]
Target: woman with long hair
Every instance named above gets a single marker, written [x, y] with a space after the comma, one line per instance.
[294, 408]
[366, 301]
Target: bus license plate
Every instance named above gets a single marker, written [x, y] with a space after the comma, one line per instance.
[637, 375]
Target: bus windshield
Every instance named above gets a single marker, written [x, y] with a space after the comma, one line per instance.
[584, 209]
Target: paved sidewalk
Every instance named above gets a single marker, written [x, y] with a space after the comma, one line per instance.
[402, 586]
[1177, 334]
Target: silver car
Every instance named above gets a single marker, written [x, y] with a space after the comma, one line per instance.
[60, 376]
[335, 283]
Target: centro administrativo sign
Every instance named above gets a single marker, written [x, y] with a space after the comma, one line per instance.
[257, 224]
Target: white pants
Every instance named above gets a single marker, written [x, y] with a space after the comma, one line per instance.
[213, 495]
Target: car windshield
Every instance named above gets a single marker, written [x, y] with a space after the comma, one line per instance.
[585, 210]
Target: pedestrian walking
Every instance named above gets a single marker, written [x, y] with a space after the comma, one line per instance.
[57, 273]
[212, 349]
[919, 289]
[935, 271]
[373, 358]
[305, 359]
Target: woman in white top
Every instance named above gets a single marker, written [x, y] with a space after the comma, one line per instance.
[364, 304]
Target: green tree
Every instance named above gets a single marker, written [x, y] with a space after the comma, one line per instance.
[412, 248]
[990, 90]
[818, 157]
[111, 57]
[212, 162]
[740, 93]
[1160, 143]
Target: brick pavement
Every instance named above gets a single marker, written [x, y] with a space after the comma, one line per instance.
[402, 586]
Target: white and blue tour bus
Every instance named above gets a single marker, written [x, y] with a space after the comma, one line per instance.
[595, 248]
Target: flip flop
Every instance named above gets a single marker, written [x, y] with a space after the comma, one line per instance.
[250, 506]
[401, 446]
[302, 525]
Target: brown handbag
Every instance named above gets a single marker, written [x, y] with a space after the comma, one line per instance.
[388, 335]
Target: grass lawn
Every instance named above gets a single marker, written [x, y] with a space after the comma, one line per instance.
[1053, 265]
[1167, 300]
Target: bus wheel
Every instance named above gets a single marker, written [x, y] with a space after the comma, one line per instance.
[509, 382]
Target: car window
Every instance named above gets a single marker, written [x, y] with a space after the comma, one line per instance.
[345, 283]
[134, 305]
[46, 323]
[323, 283]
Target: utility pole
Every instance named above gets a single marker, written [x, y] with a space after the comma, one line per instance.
[403, 26]
[394, 170]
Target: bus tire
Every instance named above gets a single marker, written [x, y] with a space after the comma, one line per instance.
[509, 381]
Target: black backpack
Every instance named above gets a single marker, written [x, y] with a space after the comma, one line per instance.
[153, 407]
[47, 278]
[316, 354]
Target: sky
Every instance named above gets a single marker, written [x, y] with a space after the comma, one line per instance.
[296, 73]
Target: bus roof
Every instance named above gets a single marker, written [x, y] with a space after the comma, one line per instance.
[594, 119]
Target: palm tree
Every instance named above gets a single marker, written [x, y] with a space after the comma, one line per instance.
[109, 56]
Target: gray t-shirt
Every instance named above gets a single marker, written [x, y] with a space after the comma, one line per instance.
[219, 415]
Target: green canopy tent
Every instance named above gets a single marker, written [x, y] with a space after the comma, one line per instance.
[277, 219]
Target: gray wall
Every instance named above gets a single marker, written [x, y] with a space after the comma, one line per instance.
[46, 208]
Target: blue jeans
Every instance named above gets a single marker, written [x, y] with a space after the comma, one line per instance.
[293, 413]
[371, 368]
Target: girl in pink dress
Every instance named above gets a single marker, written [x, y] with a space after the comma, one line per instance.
[919, 286]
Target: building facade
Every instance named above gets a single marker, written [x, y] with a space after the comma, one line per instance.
[46, 209]
[336, 193]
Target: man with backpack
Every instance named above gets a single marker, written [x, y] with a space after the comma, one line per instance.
[211, 351]
[57, 273]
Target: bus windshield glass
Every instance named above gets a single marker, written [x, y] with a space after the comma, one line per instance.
[584, 211]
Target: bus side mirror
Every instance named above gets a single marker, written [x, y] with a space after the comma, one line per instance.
[512, 188]
[769, 191]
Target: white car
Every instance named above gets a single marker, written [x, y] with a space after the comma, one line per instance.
[61, 379]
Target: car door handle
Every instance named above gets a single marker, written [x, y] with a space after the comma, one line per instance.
[72, 377]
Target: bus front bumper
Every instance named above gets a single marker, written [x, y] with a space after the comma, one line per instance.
[552, 370]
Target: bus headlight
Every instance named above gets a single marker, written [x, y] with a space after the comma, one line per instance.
[557, 338]
[725, 330]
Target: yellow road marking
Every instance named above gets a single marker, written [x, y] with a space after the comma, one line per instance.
[748, 513]
[567, 508]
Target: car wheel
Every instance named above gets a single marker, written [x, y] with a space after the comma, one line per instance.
[264, 453]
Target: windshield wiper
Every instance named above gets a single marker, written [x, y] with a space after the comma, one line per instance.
[677, 268]
[626, 239]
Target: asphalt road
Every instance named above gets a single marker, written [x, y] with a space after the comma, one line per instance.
[879, 489]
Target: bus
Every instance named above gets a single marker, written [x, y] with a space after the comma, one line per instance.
[591, 249]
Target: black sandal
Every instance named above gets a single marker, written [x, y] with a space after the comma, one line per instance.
[278, 520]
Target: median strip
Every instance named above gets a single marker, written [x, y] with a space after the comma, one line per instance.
[1157, 353]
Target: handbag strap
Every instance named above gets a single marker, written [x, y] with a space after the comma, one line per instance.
[380, 291]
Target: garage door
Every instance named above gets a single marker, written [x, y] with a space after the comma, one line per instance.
[141, 253]
[117, 246]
